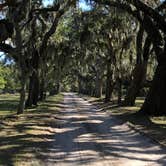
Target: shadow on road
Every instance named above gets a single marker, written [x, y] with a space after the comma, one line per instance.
[76, 134]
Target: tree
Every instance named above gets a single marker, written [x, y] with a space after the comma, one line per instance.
[154, 23]
[140, 70]
[21, 15]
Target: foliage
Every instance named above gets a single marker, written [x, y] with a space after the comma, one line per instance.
[2, 79]
[9, 78]
[62, 47]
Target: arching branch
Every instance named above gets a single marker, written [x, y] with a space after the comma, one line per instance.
[8, 49]
[53, 27]
[141, 7]
[159, 19]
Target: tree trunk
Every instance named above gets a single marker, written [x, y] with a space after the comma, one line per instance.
[98, 88]
[36, 89]
[109, 83]
[58, 87]
[79, 85]
[23, 68]
[33, 94]
[136, 84]
[42, 90]
[109, 62]
[22, 94]
[139, 74]
[119, 90]
[155, 101]
[29, 101]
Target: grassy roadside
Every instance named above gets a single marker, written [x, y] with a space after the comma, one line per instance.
[154, 127]
[8, 104]
[25, 139]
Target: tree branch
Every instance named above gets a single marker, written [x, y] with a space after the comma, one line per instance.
[159, 19]
[140, 6]
[55, 8]
[53, 28]
[44, 10]
[8, 49]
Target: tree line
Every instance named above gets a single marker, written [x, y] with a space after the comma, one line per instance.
[116, 48]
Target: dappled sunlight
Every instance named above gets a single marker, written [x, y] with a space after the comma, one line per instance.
[63, 130]
[85, 137]
[129, 108]
[4, 147]
[152, 126]
[159, 120]
[95, 135]
[139, 101]
[82, 82]
[23, 137]
[76, 133]
[38, 131]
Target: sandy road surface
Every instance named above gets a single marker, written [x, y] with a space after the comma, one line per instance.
[87, 136]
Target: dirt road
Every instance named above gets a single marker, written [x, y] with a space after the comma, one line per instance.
[87, 136]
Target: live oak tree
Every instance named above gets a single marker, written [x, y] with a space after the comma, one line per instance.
[153, 22]
[110, 34]
[140, 69]
[63, 46]
[20, 16]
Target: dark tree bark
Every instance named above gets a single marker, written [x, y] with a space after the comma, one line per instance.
[98, 87]
[21, 105]
[58, 87]
[80, 90]
[119, 81]
[136, 84]
[109, 83]
[43, 90]
[29, 101]
[36, 89]
[33, 94]
[23, 69]
[109, 63]
[140, 70]
[155, 101]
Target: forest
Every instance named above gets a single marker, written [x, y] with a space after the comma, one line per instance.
[113, 51]
[113, 48]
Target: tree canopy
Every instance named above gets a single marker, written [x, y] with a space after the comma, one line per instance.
[114, 48]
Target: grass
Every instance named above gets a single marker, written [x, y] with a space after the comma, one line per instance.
[154, 127]
[8, 104]
[25, 139]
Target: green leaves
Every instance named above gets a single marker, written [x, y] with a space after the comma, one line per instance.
[2, 78]
[8, 77]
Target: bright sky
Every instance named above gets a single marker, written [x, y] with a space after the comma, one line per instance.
[82, 4]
